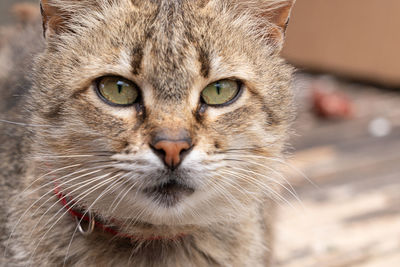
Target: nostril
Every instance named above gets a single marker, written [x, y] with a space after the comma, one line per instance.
[185, 151]
[158, 152]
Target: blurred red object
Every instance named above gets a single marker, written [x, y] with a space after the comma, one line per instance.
[331, 104]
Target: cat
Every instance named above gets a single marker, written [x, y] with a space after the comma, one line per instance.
[151, 133]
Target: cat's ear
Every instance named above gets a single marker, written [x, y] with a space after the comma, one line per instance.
[54, 18]
[272, 15]
[278, 14]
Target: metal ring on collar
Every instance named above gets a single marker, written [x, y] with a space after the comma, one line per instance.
[90, 227]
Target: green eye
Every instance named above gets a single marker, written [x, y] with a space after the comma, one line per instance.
[117, 91]
[220, 92]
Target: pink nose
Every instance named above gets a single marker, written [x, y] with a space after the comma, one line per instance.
[171, 152]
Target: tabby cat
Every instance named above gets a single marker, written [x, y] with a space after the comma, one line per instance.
[151, 133]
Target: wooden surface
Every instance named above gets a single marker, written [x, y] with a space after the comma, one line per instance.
[355, 38]
[351, 216]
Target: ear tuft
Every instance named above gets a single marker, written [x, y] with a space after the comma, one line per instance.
[53, 17]
[273, 16]
[278, 13]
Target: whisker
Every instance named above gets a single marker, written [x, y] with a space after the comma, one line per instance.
[85, 183]
[38, 200]
[261, 185]
[127, 191]
[38, 156]
[235, 185]
[137, 190]
[223, 192]
[276, 195]
[280, 176]
[25, 124]
[74, 203]
[113, 184]
[293, 193]
[282, 162]
[96, 168]
[134, 219]
[47, 174]
[297, 170]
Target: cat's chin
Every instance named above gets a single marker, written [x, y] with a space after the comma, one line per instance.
[169, 194]
[172, 205]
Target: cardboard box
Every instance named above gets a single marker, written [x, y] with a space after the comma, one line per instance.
[358, 39]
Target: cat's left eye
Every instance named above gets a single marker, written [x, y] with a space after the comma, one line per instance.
[117, 91]
[221, 92]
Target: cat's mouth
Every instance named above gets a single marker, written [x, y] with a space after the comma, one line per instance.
[170, 193]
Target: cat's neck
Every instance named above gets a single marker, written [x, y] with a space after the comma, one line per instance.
[88, 222]
[210, 245]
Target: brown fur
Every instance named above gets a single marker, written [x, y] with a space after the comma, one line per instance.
[171, 50]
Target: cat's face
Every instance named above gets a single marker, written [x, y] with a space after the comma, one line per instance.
[138, 127]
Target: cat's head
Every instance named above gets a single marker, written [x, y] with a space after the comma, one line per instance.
[166, 112]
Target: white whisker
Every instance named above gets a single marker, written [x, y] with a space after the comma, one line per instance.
[25, 124]
[127, 191]
[293, 193]
[106, 190]
[49, 192]
[258, 183]
[74, 202]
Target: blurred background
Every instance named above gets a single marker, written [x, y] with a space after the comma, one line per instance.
[344, 155]
[6, 15]
[347, 136]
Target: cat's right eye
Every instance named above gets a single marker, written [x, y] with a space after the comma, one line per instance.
[117, 91]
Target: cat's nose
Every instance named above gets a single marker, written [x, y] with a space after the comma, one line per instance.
[172, 152]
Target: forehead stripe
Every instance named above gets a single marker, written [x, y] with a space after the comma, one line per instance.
[137, 57]
[204, 59]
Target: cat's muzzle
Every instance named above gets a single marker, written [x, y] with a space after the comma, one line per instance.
[169, 193]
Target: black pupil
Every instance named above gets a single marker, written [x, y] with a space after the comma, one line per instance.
[218, 87]
[120, 86]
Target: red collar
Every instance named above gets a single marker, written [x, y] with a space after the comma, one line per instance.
[64, 200]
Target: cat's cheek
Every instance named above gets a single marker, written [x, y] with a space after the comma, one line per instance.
[214, 113]
[118, 123]
[127, 114]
